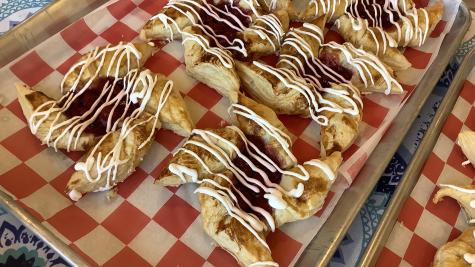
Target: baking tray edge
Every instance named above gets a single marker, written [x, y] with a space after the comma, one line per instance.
[320, 251]
[412, 173]
[44, 24]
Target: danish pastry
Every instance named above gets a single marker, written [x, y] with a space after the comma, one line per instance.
[249, 180]
[110, 108]
[458, 252]
[214, 33]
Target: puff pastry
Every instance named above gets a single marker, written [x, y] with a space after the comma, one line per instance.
[458, 252]
[304, 51]
[464, 195]
[249, 180]
[110, 108]
[214, 33]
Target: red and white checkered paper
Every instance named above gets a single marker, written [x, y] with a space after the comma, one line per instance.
[423, 226]
[148, 224]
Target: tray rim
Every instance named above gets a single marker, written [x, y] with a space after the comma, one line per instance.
[44, 16]
[21, 39]
[327, 240]
[410, 177]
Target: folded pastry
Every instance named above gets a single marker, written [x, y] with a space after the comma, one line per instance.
[214, 33]
[344, 113]
[465, 196]
[108, 61]
[241, 27]
[113, 158]
[373, 40]
[309, 10]
[111, 110]
[336, 107]
[249, 181]
[458, 252]
[36, 105]
[466, 141]
[303, 51]
[382, 27]
[210, 65]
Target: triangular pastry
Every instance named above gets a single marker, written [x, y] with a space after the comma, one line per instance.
[108, 61]
[288, 93]
[214, 33]
[304, 51]
[459, 252]
[464, 195]
[244, 190]
[373, 40]
[35, 102]
[112, 114]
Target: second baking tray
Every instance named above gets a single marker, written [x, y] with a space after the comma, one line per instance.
[321, 249]
[325, 243]
[412, 173]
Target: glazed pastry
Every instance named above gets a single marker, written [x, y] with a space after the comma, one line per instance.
[465, 196]
[386, 25]
[466, 141]
[249, 181]
[372, 40]
[214, 33]
[112, 114]
[458, 252]
[309, 10]
[304, 52]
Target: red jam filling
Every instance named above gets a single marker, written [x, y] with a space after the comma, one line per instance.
[374, 13]
[257, 199]
[221, 28]
[84, 102]
[326, 77]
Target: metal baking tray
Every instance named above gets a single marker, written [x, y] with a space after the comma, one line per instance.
[412, 173]
[61, 13]
[323, 246]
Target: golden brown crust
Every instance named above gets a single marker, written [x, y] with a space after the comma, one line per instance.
[313, 198]
[174, 115]
[227, 231]
[181, 158]
[452, 253]
[342, 128]
[271, 146]
[145, 50]
[208, 69]
[30, 101]
[130, 154]
[269, 90]
[364, 39]
[302, 11]
[463, 198]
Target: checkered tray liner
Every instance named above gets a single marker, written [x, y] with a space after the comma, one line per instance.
[423, 226]
[148, 224]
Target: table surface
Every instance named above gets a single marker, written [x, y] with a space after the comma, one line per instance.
[18, 244]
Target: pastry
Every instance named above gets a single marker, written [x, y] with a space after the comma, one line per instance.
[466, 141]
[465, 196]
[304, 51]
[214, 33]
[110, 108]
[382, 26]
[249, 180]
[458, 252]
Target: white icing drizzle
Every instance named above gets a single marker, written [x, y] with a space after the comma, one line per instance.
[109, 163]
[228, 197]
[469, 258]
[408, 19]
[264, 263]
[267, 27]
[310, 89]
[137, 89]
